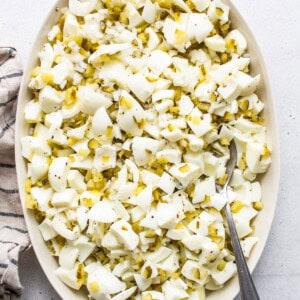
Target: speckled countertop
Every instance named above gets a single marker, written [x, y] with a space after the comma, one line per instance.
[276, 26]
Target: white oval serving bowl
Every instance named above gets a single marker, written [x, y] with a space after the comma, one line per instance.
[270, 181]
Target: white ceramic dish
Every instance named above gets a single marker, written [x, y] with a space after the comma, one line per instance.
[270, 181]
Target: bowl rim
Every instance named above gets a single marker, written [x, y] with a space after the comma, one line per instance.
[44, 256]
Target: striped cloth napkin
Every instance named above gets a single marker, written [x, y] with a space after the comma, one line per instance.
[13, 233]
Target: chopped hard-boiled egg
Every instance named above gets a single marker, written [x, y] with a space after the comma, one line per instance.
[133, 109]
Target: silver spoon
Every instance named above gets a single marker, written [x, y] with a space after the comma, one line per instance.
[247, 287]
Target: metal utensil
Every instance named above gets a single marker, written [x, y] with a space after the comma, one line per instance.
[247, 287]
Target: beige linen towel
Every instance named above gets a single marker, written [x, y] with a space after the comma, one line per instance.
[13, 233]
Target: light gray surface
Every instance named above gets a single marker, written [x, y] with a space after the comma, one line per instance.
[276, 27]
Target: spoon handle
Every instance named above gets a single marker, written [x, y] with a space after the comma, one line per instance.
[247, 287]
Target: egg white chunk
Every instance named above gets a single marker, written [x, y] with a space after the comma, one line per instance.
[125, 234]
[109, 283]
[185, 173]
[103, 212]
[90, 100]
[49, 100]
[58, 173]
[46, 230]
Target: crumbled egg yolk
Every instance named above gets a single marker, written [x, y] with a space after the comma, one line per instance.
[140, 103]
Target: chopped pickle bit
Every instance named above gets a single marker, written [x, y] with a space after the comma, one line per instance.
[228, 116]
[89, 72]
[150, 234]
[165, 3]
[141, 124]
[191, 190]
[250, 114]
[231, 45]
[81, 274]
[196, 273]
[190, 283]
[266, 153]
[143, 37]
[51, 247]
[221, 266]
[134, 43]
[224, 28]
[109, 131]
[28, 185]
[174, 109]
[105, 58]
[77, 39]
[108, 89]
[83, 52]
[163, 275]
[175, 275]
[136, 227]
[223, 179]
[61, 22]
[157, 195]
[72, 141]
[246, 69]
[163, 160]
[258, 205]
[236, 206]
[224, 57]
[60, 240]
[59, 37]
[147, 272]
[176, 16]
[178, 93]
[96, 183]
[93, 144]
[30, 203]
[212, 230]
[242, 164]
[207, 199]
[39, 215]
[213, 97]
[204, 106]
[243, 104]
